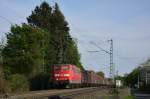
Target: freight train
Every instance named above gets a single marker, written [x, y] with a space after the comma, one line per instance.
[70, 76]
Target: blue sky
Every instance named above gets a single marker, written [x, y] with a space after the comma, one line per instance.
[127, 22]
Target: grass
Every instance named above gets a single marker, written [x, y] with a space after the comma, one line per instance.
[128, 97]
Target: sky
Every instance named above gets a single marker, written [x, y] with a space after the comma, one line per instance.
[127, 22]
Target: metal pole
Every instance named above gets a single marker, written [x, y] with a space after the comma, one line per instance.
[111, 60]
[110, 52]
[146, 78]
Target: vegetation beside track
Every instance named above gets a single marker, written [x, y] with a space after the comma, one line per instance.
[33, 47]
[128, 97]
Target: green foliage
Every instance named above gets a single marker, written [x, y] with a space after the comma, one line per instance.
[132, 78]
[122, 78]
[18, 83]
[100, 73]
[3, 83]
[128, 97]
[32, 49]
[41, 16]
[119, 77]
[1, 50]
[23, 53]
[62, 48]
[73, 56]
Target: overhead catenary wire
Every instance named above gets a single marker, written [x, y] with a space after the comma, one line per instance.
[4, 18]
[100, 47]
[110, 52]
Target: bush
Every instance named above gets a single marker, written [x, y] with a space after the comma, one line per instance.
[18, 83]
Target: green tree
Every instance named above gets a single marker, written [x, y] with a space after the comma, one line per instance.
[62, 49]
[100, 73]
[18, 83]
[73, 55]
[132, 78]
[23, 52]
[41, 17]
[1, 60]
[1, 79]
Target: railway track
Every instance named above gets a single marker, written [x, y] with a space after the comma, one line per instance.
[53, 94]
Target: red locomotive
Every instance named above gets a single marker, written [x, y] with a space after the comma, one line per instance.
[67, 75]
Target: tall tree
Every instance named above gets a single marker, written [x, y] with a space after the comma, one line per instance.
[61, 30]
[1, 58]
[41, 16]
[62, 48]
[23, 52]
[73, 55]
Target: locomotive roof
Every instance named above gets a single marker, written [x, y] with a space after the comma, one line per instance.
[61, 64]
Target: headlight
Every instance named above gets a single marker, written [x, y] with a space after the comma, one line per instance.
[56, 75]
[66, 75]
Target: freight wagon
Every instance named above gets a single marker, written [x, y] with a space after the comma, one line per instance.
[68, 75]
